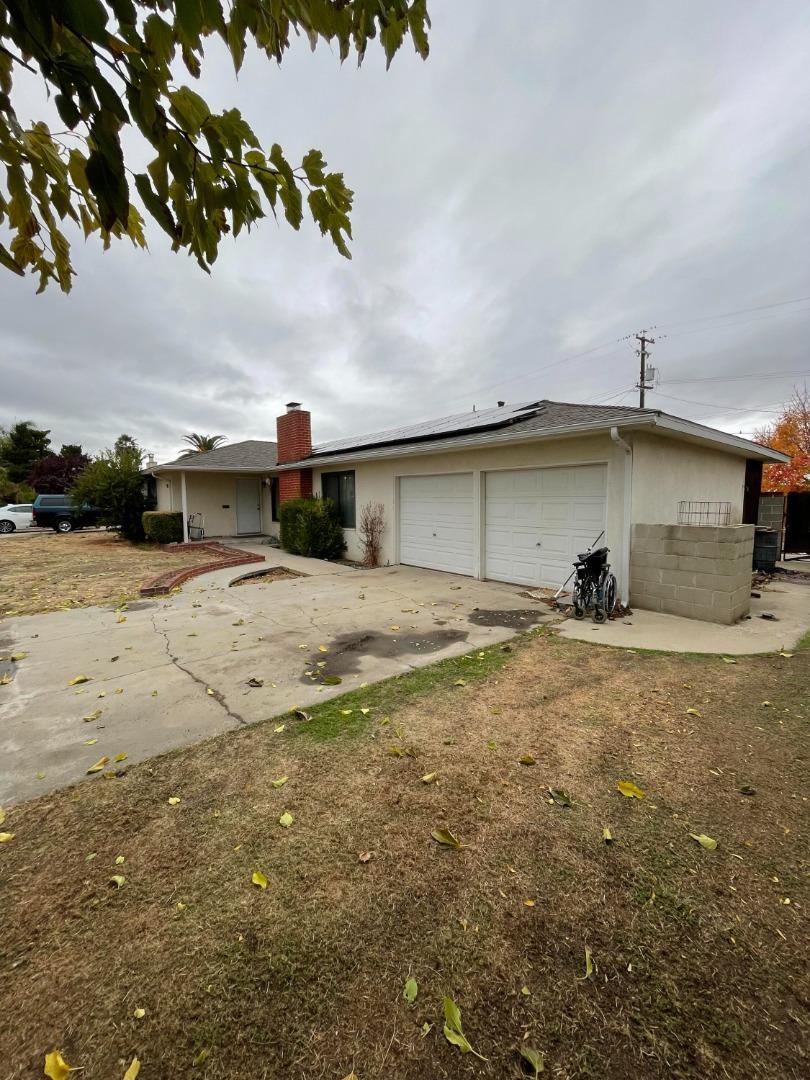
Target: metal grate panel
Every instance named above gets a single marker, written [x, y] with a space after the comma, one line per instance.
[691, 512]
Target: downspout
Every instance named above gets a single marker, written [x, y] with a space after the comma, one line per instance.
[184, 505]
[628, 512]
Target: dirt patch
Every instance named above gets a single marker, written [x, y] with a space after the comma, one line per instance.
[698, 955]
[266, 577]
[517, 619]
[346, 652]
[53, 572]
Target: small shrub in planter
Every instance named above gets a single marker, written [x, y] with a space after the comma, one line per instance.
[163, 526]
[311, 527]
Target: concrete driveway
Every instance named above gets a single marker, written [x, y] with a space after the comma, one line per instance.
[171, 671]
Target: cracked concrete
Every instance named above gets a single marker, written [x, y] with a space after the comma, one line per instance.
[151, 673]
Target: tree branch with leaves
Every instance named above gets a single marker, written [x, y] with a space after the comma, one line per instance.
[109, 64]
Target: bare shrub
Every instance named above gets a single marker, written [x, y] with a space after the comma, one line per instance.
[372, 526]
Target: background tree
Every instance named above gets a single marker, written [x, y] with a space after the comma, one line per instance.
[57, 473]
[72, 450]
[201, 444]
[20, 447]
[114, 484]
[790, 434]
[110, 63]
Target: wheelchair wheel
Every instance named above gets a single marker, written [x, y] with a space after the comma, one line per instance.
[599, 615]
[579, 612]
[610, 594]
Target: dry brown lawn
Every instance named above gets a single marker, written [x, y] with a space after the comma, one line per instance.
[700, 956]
[47, 572]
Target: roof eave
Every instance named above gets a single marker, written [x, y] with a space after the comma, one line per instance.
[259, 469]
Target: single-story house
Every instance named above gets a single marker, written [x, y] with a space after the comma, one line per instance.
[510, 493]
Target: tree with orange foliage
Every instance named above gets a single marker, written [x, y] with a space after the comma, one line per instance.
[790, 434]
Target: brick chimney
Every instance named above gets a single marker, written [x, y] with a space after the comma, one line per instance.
[294, 438]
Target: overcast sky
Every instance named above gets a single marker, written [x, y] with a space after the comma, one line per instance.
[553, 178]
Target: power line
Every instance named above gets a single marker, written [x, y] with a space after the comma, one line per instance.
[719, 408]
[736, 378]
[739, 311]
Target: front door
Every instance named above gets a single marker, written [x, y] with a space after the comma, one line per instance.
[248, 506]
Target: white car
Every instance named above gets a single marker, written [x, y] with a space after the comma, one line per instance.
[16, 516]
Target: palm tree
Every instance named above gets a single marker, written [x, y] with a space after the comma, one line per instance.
[201, 444]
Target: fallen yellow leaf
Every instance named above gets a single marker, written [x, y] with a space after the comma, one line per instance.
[121, 757]
[286, 820]
[139, 1014]
[259, 879]
[2, 815]
[133, 1070]
[99, 765]
[118, 880]
[92, 716]
[56, 1067]
[75, 682]
[5, 837]
[174, 800]
[90, 742]
[323, 648]
[704, 840]
[282, 780]
[629, 789]
[395, 628]
[693, 712]
[120, 860]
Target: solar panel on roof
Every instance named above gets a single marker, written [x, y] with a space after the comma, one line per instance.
[468, 421]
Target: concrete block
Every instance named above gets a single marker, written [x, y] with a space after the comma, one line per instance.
[645, 573]
[647, 603]
[704, 612]
[663, 592]
[715, 582]
[681, 578]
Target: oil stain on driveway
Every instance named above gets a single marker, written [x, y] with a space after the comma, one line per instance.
[168, 672]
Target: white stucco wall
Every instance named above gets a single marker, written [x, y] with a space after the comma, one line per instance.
[214, 496]
[666, 471]
[376, 481]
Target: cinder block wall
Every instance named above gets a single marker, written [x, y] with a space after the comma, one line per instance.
[771, 510]
[700, 571]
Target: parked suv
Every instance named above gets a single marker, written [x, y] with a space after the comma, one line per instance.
[59, 512]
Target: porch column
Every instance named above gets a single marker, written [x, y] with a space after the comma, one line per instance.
[184, 505]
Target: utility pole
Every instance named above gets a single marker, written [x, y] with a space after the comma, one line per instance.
[643, 385]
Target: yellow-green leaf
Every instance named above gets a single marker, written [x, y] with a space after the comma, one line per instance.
[286, 820]
[693, 712]
[17, 656]
[201, 1058]
[446, 838]
[120, 860]
[56, 1067]
[133, 1070]
[728, 660]
[92, 716]
[79, 679]
[590, 967]
[527, 759]
[533, 1057]
[410, 990]
[139, 1013]
[259, 879]
[6, 837]
[607, 835]
[428, 778]
[629, 790]
[173, 800]
[99, 765]
[121, 757]
[282, 780]
[704, 840]
[118, 880]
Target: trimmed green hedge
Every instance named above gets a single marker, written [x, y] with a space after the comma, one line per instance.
[163, 526]
[311, 527]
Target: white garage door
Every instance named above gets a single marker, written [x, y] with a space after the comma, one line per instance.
[436, 522]
[538, 520]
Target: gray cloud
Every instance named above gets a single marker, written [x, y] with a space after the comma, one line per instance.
[550, 180]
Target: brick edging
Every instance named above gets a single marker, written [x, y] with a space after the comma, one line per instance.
[170, 579]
